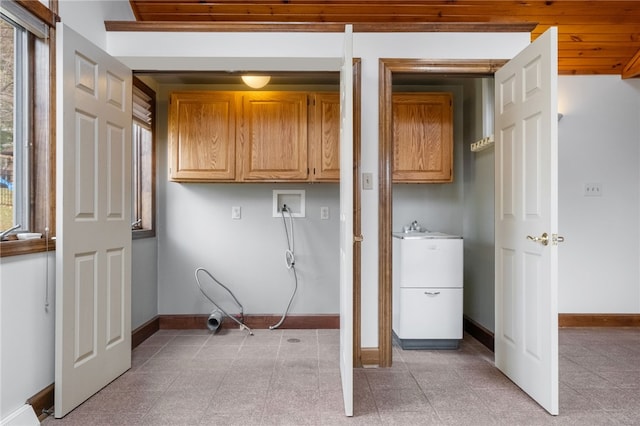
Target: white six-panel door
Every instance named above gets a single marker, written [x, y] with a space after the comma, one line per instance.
[346, 222]
[526, 209]
[93, 196]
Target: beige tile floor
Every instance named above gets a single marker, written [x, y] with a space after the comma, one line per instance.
[291, 377]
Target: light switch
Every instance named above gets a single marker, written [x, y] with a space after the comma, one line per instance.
[236, 212]
[367, 181]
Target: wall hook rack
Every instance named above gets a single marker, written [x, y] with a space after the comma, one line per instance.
[482, 144]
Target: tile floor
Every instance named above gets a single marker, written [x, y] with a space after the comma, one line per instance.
[291, 377]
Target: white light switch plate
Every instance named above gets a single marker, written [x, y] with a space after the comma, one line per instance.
[367, 181]
[236, 212]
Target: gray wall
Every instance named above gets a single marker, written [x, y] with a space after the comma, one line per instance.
[195, 229]
[478, 209]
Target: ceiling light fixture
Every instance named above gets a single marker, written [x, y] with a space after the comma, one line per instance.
[256, 81]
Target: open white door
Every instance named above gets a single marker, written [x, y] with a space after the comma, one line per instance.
[93, 192]
[346, 222]
[526, 212]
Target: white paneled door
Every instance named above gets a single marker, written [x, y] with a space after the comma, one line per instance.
[93, 193]
[526, 212]
[346, 222]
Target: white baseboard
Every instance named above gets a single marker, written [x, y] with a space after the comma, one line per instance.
[23, 416]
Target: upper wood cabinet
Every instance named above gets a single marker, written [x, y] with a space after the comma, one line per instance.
[324, 137]
[218, 136]
[422, 137]
[273, 136]
[202, 129]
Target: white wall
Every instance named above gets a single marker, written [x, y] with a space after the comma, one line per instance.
[26, 328]
[87, 17]
[599, 141]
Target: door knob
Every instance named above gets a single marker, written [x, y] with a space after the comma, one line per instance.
[542, 239]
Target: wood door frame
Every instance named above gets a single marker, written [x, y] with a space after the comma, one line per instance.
[387, 67]
[357, 210]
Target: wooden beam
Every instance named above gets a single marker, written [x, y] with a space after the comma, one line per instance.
[363, 27]
[41, 11]
[632, 68]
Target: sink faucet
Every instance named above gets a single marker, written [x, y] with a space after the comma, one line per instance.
[3, 234]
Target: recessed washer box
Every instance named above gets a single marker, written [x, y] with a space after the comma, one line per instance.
[292, 198]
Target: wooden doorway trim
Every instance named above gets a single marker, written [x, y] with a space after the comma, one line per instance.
[387, 67]
[357, 209]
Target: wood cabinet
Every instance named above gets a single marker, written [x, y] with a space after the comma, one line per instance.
[202, 128]
[218, 136]
[273, 136]
[324, 137]
[422, 137]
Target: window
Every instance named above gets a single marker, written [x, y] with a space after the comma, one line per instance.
[14, 176]
[143, 159]
[27, 155]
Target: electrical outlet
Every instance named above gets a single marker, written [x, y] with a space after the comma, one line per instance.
[236, 212]
[324, 213]
[367, 181]
[593, 189]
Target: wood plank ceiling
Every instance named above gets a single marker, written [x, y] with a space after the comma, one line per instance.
[595, 36]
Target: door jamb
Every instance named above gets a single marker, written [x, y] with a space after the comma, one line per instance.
[387, 67]
[357, 209]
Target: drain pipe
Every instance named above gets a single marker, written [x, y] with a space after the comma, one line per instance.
[215, 318]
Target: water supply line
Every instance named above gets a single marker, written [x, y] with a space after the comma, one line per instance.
[215, 318]
[290, 262]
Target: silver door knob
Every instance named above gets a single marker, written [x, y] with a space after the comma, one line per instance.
[542, 239]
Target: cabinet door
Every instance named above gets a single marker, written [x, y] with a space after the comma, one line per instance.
[274, 136]
[422, 137]
[324, 138]
[429, 263]
[202, 136]
[430, 313]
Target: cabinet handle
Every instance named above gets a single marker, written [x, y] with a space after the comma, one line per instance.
[432, 293]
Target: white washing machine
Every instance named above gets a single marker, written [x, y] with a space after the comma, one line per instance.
[427, 290]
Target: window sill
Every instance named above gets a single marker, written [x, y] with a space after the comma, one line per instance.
[139, 234]
[17, 247]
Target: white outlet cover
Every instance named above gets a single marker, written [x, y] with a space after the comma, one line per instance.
[324, 213]
[593, 189]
